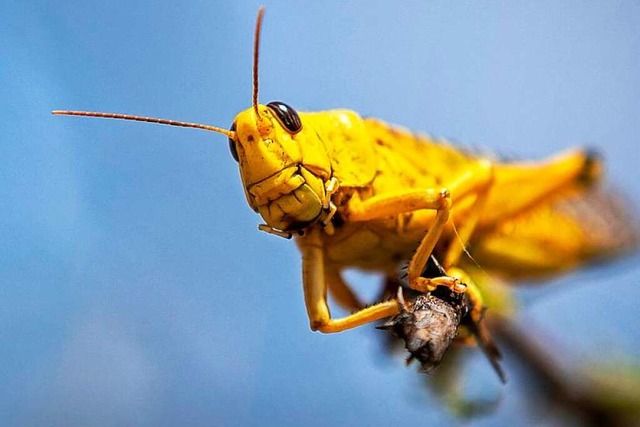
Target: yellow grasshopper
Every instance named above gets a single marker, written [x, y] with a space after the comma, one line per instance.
[357, 192]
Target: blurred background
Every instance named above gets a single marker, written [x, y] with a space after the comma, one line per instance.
[135, 287]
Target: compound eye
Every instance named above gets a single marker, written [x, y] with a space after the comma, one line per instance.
[232, 144]
[287, 116]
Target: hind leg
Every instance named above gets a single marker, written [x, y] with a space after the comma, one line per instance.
[519, 186]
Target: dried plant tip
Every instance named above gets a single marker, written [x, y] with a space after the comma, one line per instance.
[427, 326]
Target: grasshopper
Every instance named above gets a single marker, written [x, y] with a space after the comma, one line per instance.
[358, 192]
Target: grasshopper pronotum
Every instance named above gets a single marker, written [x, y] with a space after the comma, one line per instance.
[357, 192]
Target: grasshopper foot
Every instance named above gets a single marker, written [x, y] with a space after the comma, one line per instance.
[423, 284]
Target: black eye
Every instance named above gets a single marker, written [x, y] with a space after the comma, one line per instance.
[287, 116]
[232, 144]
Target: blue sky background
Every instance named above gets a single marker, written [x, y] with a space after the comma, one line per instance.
[136, 289]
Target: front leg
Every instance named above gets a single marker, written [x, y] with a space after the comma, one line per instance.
[315, 291]
[395, 204]
[471, 185]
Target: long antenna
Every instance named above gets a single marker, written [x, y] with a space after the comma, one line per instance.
[229, 133]
[256, 55]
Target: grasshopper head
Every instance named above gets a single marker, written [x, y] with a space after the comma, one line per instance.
[283, 165]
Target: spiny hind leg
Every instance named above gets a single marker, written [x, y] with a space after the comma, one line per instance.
[519, 186]
[513, 188]
[314, 282]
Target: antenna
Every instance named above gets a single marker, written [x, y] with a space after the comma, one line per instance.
[229, 133]
[256, 55]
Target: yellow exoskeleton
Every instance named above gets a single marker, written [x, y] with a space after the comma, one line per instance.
[357, 192]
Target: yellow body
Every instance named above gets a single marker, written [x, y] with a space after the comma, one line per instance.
[360, 193]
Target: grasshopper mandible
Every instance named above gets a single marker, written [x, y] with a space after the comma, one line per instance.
[356, 192]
